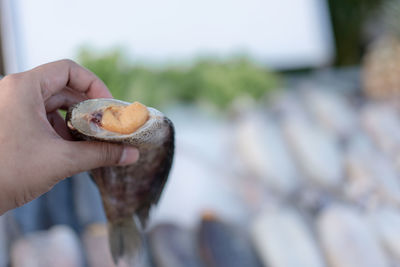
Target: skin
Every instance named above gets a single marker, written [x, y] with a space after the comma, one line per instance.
[36, 150]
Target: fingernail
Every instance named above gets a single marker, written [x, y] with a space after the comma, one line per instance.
[129, 155]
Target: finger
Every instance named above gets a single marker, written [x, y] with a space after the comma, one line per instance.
[84, 155]
[54, 77]
[63, 100]
[58, 124]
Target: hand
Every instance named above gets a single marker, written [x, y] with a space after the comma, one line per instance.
[36, 150]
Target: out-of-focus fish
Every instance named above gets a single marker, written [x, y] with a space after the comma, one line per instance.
[316, 151]
[322, 103]
[385, 221]
[173, 246]
[371, 176]
[380, 121]
[59, 246]
[264, 152]
[127, 192]
[283, 239]
[347, 239]
[223, 245]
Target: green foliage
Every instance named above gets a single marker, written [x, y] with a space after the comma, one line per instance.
[208, 80]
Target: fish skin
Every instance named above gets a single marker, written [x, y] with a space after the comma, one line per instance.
[128, 192]
[135, 188]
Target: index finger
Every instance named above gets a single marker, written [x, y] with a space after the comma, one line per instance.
[55, 76]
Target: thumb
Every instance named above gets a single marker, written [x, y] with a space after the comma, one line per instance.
[90, 155]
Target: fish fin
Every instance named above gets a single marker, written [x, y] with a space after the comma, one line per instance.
[143, 215]
[126, 242]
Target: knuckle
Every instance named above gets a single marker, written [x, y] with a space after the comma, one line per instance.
[68, 62]
[45, 85]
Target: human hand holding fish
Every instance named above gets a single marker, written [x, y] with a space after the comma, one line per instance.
[36, 148]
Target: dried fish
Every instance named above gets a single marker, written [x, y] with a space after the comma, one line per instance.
[95, 242]
[347, 239]
[381, 122]
[263, 150]
[386, 223]
[387, 179]
[223, 245]
[283, 239]
[331, 110]
[173, 246]
[58, 246]
[127, 191]
[370, 175]
[316, 152]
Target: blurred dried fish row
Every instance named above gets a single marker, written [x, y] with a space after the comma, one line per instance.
[283, 239]
[319, 128]
[349, 162]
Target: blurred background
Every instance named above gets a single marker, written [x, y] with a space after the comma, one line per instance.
[287, 129]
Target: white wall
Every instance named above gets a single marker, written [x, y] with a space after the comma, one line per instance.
[282, 34]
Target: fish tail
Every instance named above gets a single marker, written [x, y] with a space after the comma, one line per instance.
[126, 242]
